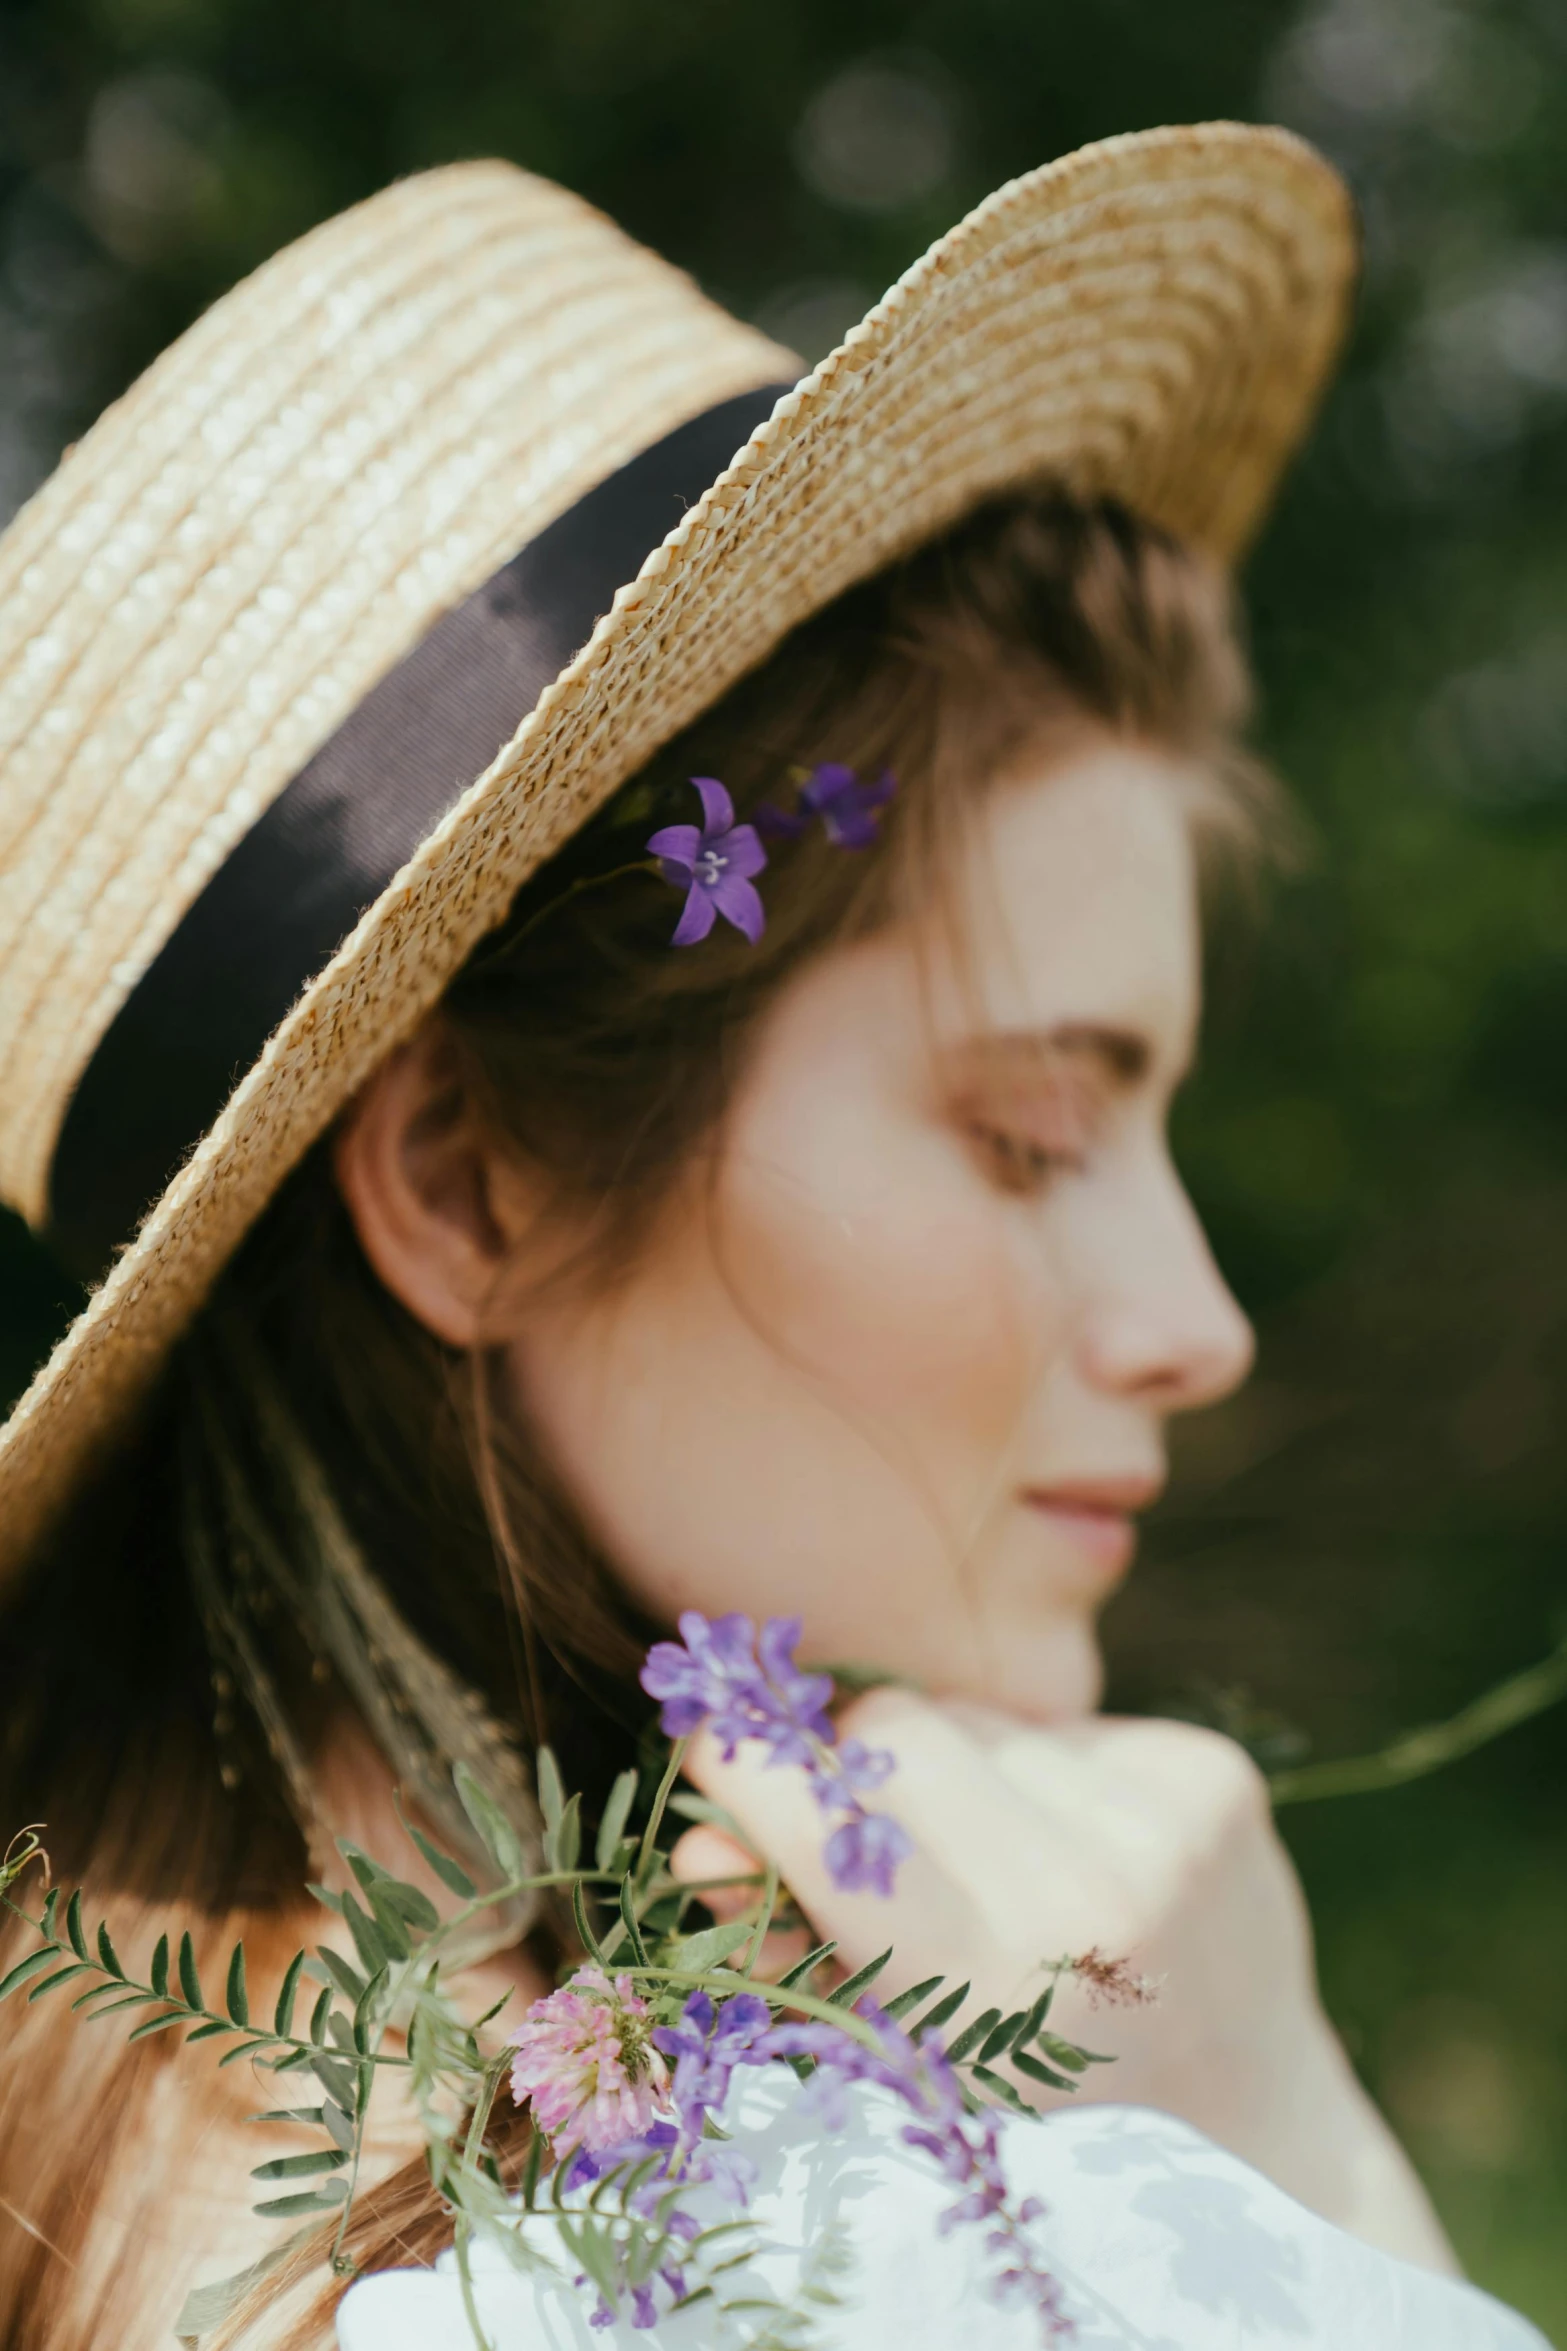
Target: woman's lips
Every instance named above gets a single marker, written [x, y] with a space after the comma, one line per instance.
[1097, 1517]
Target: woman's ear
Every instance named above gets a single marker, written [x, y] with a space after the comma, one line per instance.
[439, 1211]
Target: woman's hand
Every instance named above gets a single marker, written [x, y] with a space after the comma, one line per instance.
[1149, 1841]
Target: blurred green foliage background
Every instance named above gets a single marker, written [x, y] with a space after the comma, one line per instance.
[1379, 1134]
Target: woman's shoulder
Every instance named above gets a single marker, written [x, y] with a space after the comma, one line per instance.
[1157, 2239]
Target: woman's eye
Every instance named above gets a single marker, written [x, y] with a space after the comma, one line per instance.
[1019, 1163]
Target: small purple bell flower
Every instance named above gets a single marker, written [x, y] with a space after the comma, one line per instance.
[713, 863]
[847, 808]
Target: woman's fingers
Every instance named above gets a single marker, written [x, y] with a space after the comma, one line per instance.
[778, 1814]
[726, 1877]
[1030, 1842]
[1153, 1795]
[719, 1868]
[986, 1839]
[997, 1885]
[1150, 1841]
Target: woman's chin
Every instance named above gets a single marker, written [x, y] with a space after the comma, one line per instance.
[1042, 1673]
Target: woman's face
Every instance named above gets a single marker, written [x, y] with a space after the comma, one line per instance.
[900, 1360]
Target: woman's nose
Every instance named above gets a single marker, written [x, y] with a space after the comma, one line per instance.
[1165, 1327]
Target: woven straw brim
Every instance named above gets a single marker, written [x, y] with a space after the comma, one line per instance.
[339, 451]
[1151, 318]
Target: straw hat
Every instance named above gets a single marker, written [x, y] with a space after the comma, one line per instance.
[345, 616]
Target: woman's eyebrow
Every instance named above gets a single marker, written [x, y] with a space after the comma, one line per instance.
[1123, 1055]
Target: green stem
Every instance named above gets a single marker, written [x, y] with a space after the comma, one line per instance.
[647, 1859]
[806, 2002]
[483, 2107]
[577, 889]
[590, 1942]
[335, 2258]
[764, 1919]
[473, 2148]
[460, 2238]
[1427, 1749]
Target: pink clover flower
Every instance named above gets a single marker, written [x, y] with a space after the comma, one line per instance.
[584, 2058]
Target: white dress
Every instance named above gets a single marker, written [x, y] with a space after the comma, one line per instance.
[1159, 2240]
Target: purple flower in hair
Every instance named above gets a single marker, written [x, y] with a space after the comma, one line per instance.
[713, 863]
[847, 808]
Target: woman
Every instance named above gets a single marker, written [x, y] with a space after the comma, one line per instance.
[585, 1212]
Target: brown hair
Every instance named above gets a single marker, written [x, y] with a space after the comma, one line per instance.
[604, 1060]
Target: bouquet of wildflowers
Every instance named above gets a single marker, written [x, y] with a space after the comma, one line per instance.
[626, 2067]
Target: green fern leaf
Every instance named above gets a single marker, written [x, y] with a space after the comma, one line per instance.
[847, 1993]
[444, 1867]
[567, 1837]
[283, 2014]
[365, 2010]
[803, 1967]
[944, 2010]
[323, 2199]
[711, 1947]
[66, 1975]
[1001, 2036]
[26, 1969]
[495, 1830]
[95, 1991]
[969, 2039]
[241, 2049]
[1037, 2072]
[300, 2167]
[1035, 2018]
[364, 1869]
[190, 1982]
[612, 1821]
[236, 2000]
[373, 1953]
[628, 1915]
[412, 1907]
[552, 1793]
[1003, 2090]
[337, 2080]
[579, 1911]
[390, 1924]
[159, 2024]
[900, 2006]
[345, 1979]
[1071, 2054]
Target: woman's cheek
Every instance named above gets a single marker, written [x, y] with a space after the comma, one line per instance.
[915, 1309]
[797, 1405]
